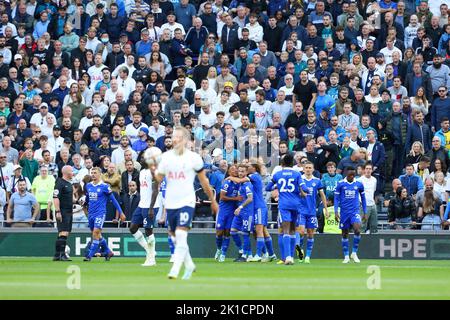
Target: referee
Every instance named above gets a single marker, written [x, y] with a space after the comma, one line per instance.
[63, 198]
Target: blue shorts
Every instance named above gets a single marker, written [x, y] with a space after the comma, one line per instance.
[96, 221]
[243, 222]
[224, 219]
[348, 221]
[180, 218]
[287, 215]
[309, 222]
[261, 216]
[140, 217]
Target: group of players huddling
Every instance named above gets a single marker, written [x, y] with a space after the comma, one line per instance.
[242, 209]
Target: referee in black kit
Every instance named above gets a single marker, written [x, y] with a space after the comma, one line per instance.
[63, 199]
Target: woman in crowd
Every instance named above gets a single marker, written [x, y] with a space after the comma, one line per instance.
[401, 210]
[430, 211]
[415, 154]
[420, 102]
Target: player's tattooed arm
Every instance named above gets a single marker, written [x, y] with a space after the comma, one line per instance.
[246, 203]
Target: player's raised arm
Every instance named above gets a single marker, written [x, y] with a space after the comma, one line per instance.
[270, 186]
[223, 193]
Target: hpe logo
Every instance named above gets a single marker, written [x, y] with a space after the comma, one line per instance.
[399, 248]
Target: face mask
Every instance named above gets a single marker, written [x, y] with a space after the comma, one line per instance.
[105, 40]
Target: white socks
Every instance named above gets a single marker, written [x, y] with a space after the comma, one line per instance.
[151, 245]
[181, 252]
[141, 240]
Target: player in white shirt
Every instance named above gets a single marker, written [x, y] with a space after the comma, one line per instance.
[369, 182]
[144, 215]
[180, 166]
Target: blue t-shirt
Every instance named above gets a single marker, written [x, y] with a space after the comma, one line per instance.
[288, 182]
[325, 101]
[258, 188]
[245, 191]
[308, 203]
[232, 190]
[346, 197]
[22, 205]
[97, 196]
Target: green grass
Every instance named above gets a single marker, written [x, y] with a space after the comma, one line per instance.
[124, 278]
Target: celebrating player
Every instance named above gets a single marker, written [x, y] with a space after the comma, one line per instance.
[144, 214]
[346, 197]
[227, 205]
[289, 183]
[243, 219]
[180, 166]
[97, 195]
[307, 213]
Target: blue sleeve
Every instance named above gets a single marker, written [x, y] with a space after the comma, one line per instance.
[363, 198]
[302, 184]
[447, 212]
[270, 185]
[419, 184]
[115, 203]
[337, 197]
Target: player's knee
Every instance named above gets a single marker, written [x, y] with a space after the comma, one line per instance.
[134, 228]
[148, 232]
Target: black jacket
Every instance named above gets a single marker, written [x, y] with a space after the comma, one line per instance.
[401, 208]
[124, 179]
[127, 206]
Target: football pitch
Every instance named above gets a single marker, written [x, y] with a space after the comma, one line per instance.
[124, 278]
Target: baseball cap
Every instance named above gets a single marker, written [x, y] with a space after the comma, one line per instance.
[67, 140]
[228, 84]
[164, 93]
[56, 128]
[217, 152]
[123, 34]
[17, 166]
[54, 98]
[17, 56]
[43, 105]
[379, 55]
[144, 129]
[169, 124]
[100, 6]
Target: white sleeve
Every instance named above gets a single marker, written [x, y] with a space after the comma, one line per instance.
[162, 167]
[197, 162]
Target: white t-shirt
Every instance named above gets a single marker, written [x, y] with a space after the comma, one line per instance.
[145, 181]
[261, 113]
[85, 123]
[118, 155]
[180, 172]
[96, 74]
[39, 120]
[110, 96]
[208, 95]
[207, 120]
[370, 185]
[132, 132]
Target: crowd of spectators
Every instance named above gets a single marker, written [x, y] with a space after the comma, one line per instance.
[337, 82]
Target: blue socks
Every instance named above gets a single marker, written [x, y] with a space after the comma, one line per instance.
[94, 248]
[219, 240]
[356, 240]
[259, 246]
[237, 239]
[104, 246]
[225, 245]
[281, 246]
[269, 245]
[309, 246]
[287, 245]
[345, 246]
[171, 245]
[292, 238]
[247, 244]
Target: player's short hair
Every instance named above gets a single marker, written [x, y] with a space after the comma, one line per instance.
[308, 162]
[96, 169]
[287, 160]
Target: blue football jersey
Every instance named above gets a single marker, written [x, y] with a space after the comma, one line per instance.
[346, 197]
[245, 190]
[258, 188]
[232, 190]
[162, 188]
[288, 182]
[308, 204]
[97, 196]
